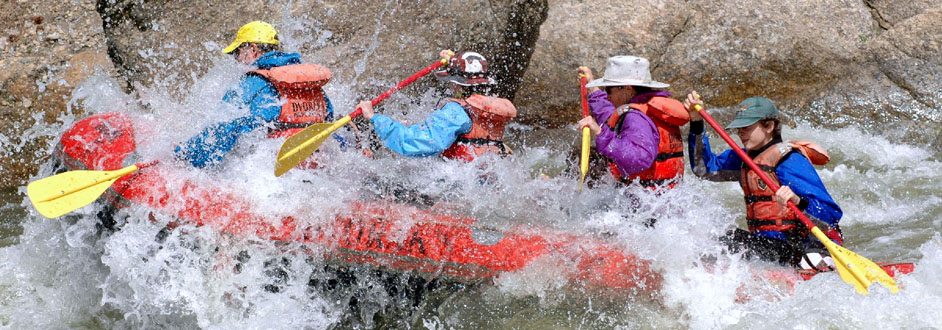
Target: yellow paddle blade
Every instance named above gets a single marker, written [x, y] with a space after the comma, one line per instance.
[855, 269]
[69, 191]
[300, 146]
[584, 161]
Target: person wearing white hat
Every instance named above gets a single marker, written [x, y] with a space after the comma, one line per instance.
[641, 130]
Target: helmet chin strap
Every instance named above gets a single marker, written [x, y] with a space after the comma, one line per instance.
[459, 91]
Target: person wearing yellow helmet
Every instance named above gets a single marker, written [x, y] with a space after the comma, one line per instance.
[257, 38]
[281, 93]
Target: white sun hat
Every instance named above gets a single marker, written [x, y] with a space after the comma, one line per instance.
[627, 71]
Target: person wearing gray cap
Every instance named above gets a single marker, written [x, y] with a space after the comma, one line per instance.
[640, 134]
[775, 234]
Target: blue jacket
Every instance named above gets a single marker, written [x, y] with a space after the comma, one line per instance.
[258, 97]
[432, 137]
[795, 171]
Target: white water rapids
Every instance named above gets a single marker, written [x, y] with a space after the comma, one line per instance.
[64, 274]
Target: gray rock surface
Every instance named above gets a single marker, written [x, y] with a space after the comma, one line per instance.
[368, 44]
[833, 63]
[889, 12]
[47, 48]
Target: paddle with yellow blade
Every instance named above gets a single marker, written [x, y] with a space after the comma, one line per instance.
[853, 268]
[300, 146]
[69, 191]
[584, 161]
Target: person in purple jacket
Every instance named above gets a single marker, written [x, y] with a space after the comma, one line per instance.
[629, 138]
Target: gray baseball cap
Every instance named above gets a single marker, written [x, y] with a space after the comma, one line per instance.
[753, 110]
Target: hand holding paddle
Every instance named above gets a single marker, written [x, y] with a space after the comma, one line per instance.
[853, 268]
[693, 105]
[584, 161]
[300, 146]
[66, 192]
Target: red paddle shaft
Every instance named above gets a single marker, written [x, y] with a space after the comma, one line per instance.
[752, 165]
[585, 102]
[401, 84]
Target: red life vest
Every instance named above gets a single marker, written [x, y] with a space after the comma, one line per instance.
[488, 115]
[668, 115]
[762, 212]
[299, 85]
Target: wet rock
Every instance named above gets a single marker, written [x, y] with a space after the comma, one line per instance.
[910, 54]
[824, 62]
[84, 64]
[872, 63]
[887, 12]
[727, 50]
[369, 45]
[32, 71]
[586, 33]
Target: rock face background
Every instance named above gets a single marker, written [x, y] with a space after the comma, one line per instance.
[365, 42]
[833, 63]
[46, 48]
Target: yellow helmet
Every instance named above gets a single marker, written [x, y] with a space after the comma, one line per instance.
[255, 32]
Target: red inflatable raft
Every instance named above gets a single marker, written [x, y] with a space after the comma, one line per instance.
[434, 245]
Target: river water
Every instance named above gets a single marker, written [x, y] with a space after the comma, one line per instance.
[67, 273]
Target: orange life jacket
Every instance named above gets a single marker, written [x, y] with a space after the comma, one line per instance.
[488, 115]
[762, 212]
[668, 115]
[299, 85]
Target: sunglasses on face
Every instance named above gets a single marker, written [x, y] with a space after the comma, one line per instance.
[235, 53]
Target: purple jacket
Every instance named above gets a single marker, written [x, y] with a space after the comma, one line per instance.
[635, 147]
